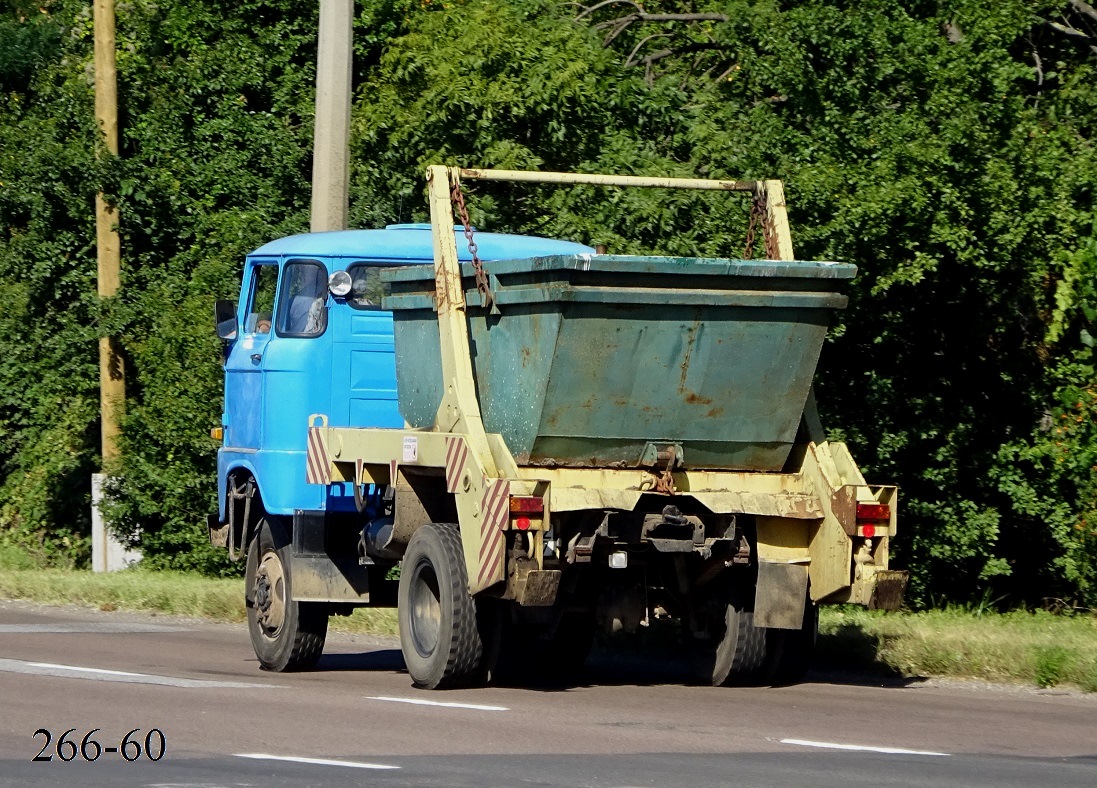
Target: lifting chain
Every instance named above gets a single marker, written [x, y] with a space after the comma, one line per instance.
[483, 285]
[664, 481]
[759, 217]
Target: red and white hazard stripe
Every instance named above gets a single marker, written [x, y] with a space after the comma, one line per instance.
[457, 452]
[494, 517]
[317, 465]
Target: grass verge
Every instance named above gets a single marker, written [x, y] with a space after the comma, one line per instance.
[1019, 647]
[1016, 647]
[175, 593]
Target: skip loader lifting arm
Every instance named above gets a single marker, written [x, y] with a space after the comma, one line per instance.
[806, 520]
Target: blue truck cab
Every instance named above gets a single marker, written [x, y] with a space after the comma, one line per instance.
[295, 349]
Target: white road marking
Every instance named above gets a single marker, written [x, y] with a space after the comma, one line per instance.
[444, 704]
[316, 761]
[81, 670]
[826, 745]
[104, 628]
[101, 674]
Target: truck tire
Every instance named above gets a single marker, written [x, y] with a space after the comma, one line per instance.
[789, 652]
[285, 634]
[735, 650]
[440, 631]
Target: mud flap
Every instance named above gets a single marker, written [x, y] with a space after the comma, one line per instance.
[323, 562]
[539, 588]
[888, 590]
[218, 533]
[780, 595]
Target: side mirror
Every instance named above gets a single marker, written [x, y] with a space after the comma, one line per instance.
[340, 284]
[224, 313]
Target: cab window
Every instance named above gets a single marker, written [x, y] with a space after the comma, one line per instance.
[302, 300]
[366, 289]
[264, 280]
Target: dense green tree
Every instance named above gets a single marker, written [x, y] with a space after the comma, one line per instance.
[48, 399]
[945, 148]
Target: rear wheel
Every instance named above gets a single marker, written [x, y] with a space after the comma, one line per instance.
[440, 632]
[285, 634]
[732, 650]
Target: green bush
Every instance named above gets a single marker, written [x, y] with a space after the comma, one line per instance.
[15, 557]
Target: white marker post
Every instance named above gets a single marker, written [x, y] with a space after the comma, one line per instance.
[107, 553]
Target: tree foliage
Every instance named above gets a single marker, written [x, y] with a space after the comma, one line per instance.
[945, 148]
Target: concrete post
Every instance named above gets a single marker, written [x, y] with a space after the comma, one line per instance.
[107, 553]
[331, 156]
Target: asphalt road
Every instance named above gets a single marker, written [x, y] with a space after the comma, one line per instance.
[357, 720]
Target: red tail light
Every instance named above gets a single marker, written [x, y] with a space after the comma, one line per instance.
[873, 512]
[523, 504]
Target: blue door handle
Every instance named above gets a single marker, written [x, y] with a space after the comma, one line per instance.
[256, 356]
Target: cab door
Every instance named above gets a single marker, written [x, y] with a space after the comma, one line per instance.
[364, 374]
[244, 379]
[297, 362]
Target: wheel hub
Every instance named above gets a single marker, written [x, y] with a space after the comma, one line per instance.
[426, 610]
[270, 595]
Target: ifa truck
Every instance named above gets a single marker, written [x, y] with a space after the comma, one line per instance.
[520, 442]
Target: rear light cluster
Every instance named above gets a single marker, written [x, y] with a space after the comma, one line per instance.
[522, 506]
[871, 516]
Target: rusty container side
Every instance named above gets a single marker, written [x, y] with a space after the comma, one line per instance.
[593, 358]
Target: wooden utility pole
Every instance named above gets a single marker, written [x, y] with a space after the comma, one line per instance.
[331, 155]
[112, 380]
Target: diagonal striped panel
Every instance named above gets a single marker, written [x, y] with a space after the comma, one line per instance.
[491, 563]
[457, 451]
[495, 505]
[317, 465]
[494, 517]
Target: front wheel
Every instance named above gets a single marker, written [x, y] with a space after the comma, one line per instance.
[285, 634]
[440, 632]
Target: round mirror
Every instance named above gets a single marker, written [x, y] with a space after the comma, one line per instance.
[339, 284]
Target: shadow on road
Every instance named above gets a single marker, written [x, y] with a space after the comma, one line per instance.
[845, 657]
[387, 660]
[850, 656]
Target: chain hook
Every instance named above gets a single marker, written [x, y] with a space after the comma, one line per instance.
[664, 481]
[759, 216]
[483, 284]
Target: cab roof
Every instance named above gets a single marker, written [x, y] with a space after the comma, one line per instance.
[412, 242]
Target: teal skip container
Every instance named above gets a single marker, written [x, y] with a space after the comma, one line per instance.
[597, 361]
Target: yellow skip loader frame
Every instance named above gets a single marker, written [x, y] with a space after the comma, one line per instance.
[807, 519]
